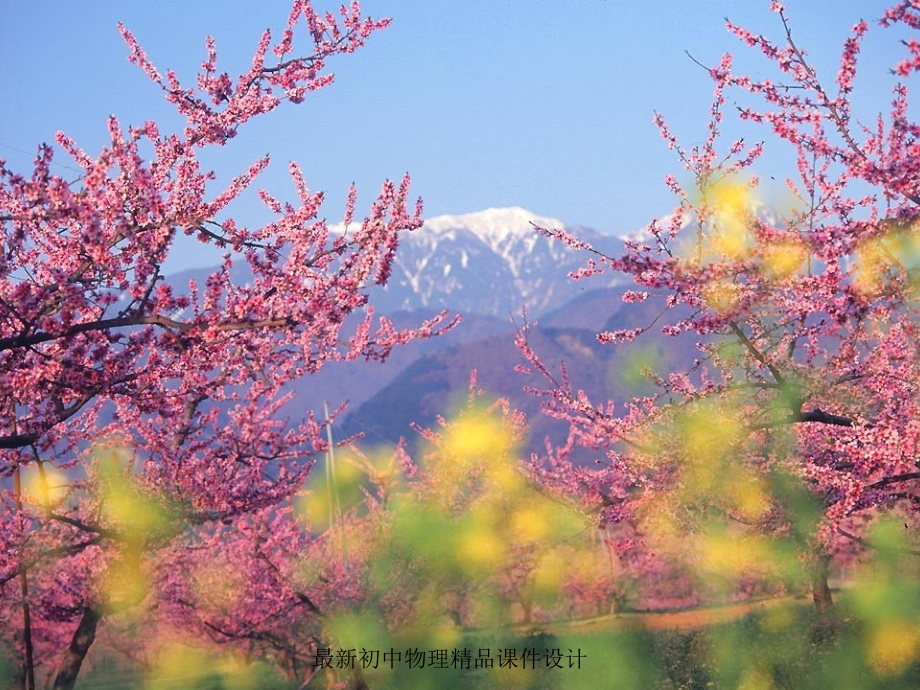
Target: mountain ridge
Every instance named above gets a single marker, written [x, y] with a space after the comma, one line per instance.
[491, 262]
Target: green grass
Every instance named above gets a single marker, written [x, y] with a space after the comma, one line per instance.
[783, 648]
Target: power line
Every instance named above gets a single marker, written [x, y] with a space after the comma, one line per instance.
[60, 165]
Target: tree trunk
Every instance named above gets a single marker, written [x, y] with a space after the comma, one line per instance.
[79, 645]
[29, 663]
[28, 675]
[820, 591]
[527, 605]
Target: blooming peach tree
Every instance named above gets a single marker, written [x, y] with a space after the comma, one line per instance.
[806, 324]
[136, 410]
[433, 550]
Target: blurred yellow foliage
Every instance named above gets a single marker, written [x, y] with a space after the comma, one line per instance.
[474, 527]
[315, 508]
[661, 524]
[124, 581]
[755, 679]
[511, 678]
[549, 574]
[721, 296]
[472, 437]
[356, 630]
[708, 431]
[129, 506]
[330, 493]
[784, 258]
[747, 495]
[136, 514]
[778, 618]
[50, 489]
[727, 554]
[892, 646]
[479, 548]
[724, 207]
[730, 200]
[192, 666]
[532, 523]
[507, 477]
[890, 260]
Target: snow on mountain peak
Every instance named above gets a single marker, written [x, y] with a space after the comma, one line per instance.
[493, 225]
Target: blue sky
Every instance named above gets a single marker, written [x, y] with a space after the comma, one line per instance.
[534, 103]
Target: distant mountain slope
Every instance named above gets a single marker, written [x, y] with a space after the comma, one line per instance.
[356, 382]
[436, 383]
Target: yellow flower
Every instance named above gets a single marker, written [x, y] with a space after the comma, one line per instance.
[721, 296]
[892, 646]
[784, 258]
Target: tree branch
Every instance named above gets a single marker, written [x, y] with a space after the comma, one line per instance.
[819, 415]
[894, 479]
[19, 341]
[868, 544]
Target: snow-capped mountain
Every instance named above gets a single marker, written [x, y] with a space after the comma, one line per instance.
[491, 262]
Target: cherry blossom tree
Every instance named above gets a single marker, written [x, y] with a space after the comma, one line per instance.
[805, 319]
[379, 551]
[137, 413]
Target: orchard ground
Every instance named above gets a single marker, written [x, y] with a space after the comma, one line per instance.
[786, 644]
